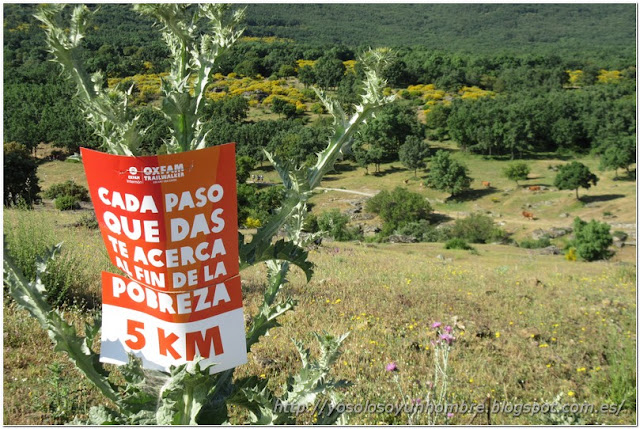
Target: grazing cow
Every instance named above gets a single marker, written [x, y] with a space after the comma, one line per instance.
[528, 215]
[486, 184]
[534, 188]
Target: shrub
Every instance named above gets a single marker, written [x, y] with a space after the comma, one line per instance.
[570, 255]
[335, 224]
[68, 188]
[310, 223]
[458, 243]
[251, 222]
[256, 203]
[423, 231]
[66, 202]
[28, 241]
[517, 171]
[63, 279]
[535, 244]
[20, 179]
[286, 70]
[477, 228]
[317, 108]
[415, 229]
[281, 106]
[397, 208]
[592, 239]
[58, 155]
[87, 220]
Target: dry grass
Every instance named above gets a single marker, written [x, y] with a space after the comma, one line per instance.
[531, 322]
[53, 172]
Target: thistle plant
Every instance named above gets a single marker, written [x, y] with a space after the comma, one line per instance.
[437, 395]
[188, 394]
[434, 404]
[193, 59]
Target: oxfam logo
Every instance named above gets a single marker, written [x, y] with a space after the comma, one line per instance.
[133, 171]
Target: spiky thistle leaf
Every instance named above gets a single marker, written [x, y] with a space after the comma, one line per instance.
[32, 297]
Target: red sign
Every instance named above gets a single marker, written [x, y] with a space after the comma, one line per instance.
[169, 223]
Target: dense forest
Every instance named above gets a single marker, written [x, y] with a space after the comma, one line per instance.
[496, 79]
[483, 28]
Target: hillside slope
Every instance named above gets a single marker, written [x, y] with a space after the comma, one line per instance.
[469, 27]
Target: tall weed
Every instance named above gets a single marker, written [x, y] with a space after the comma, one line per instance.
[617, 383]
[28, 235]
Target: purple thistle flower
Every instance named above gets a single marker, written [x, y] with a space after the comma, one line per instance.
[447, 337]
[448, 329]
[391, 367]
[436, 325]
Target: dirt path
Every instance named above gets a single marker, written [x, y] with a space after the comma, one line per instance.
[346, 190]
[319, 188]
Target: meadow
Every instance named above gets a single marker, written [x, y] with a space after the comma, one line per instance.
[528, 326]
[525, 325]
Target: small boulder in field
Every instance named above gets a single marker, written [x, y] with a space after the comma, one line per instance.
[551, 250]
[397, 238]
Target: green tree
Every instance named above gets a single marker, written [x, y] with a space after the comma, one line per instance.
[592, 239]
[436, 120]
[249, 67]
[283, 107]
[447, 174]
[244, 165]
[329, 71]
[231, 109]
[235, 109]
[398, 208]
[390, 130]
[157, 128]
[573, 176]
[517, 171]
[619, 153]
[413, 152]
[22, 113]
[20, 179]
[396, 74]
[366, 154]
[286, 70]
[307, 75]
[349, 90]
